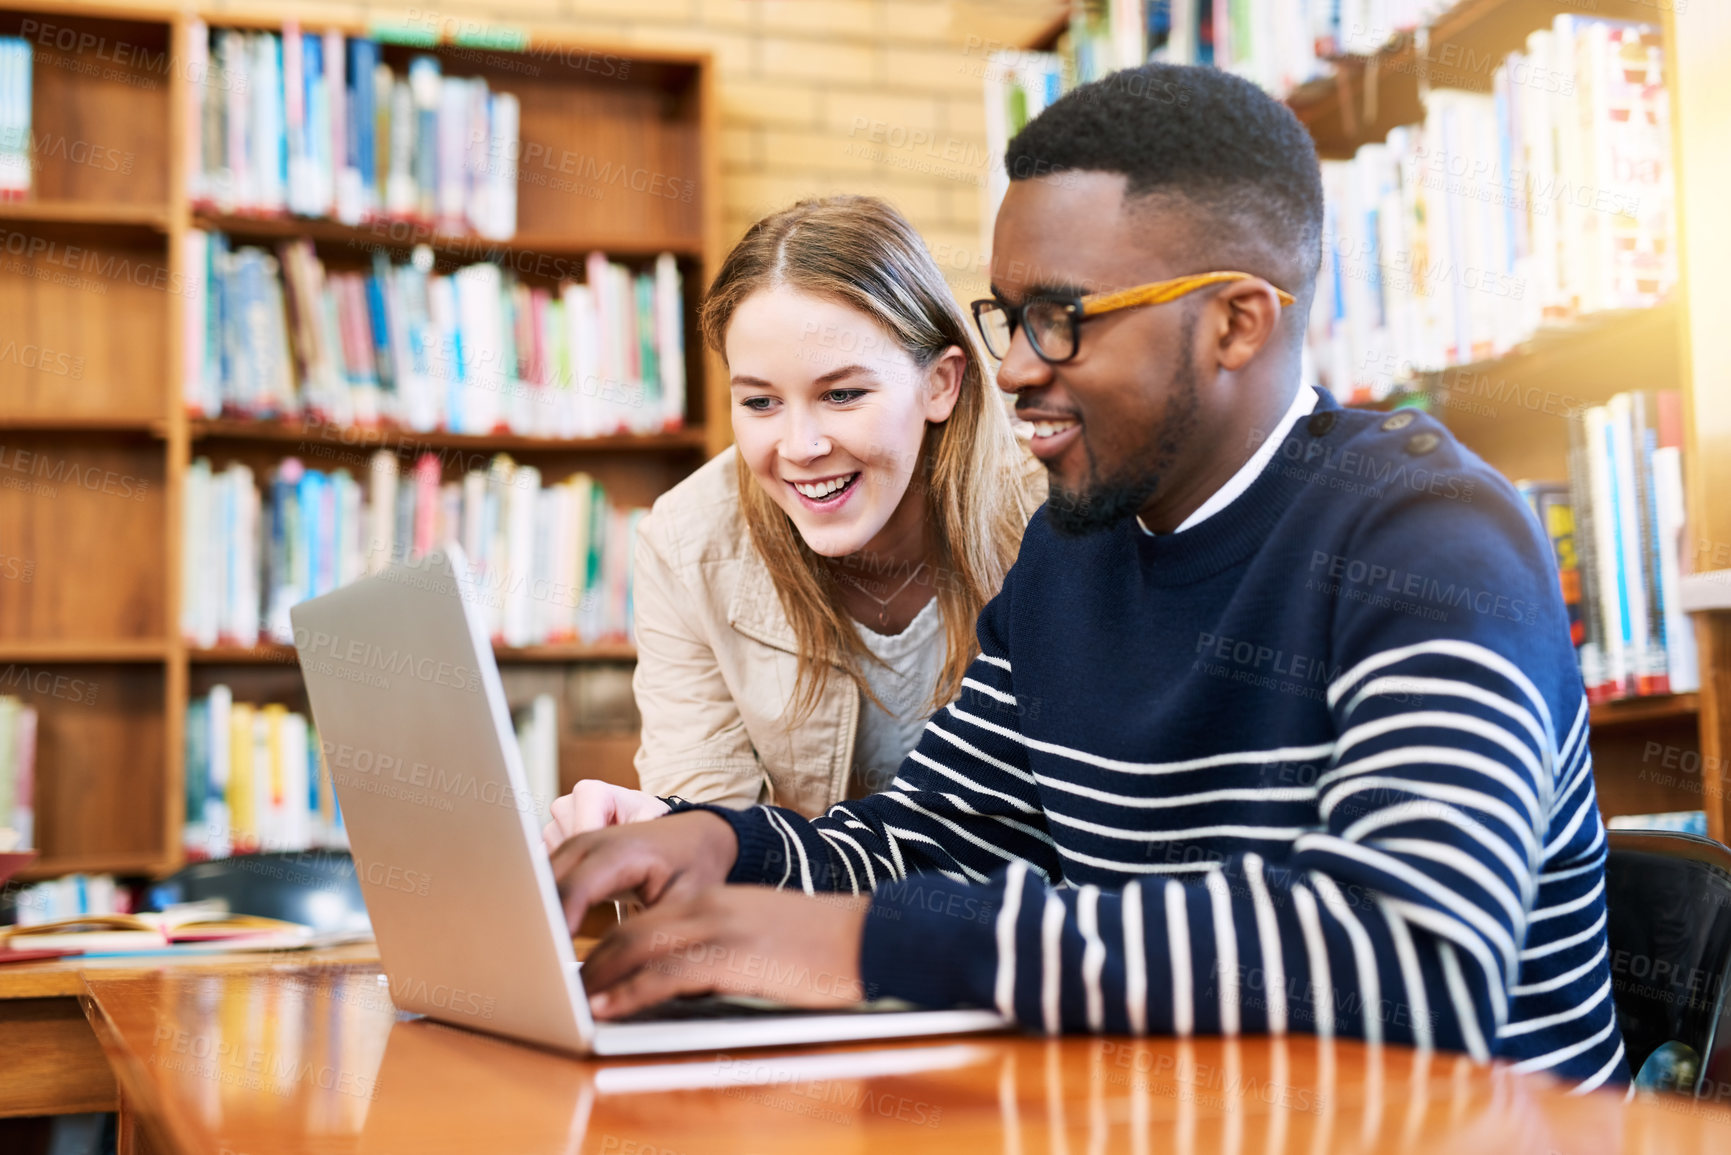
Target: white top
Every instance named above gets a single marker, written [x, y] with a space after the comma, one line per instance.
[1303, 402]
[904, 684]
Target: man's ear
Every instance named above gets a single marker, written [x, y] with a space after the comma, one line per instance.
[1248, 316]
[944, 384]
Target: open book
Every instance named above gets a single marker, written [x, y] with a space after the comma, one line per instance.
[189, 928]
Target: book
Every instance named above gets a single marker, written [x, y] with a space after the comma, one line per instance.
[319, 125]
[1540, 198]
[16, 172]
[552, 560]
[475, 350]
[17, 773]
[191, 926]
[1678, 821]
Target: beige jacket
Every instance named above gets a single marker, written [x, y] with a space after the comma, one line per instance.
[717, 662]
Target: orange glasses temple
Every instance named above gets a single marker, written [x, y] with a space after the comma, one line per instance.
[1160, 292]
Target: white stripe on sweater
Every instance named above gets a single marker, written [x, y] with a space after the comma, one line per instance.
[1410, 757]
[1433, 807]
[1411, 977]
[1052, 962]
[1004, 991]
[1135, 960]
[1183, 978]
[1441, 720]
[1316, 951]
[1569, 907]
[1410, 684]
[1363, 954]
[1546, 1061]
[1225, 950]
[1561, 980]
[1268, 936]
[1604, 1073]
[1093, 954]
[974, 751]
[956, 776]
[1579, 1010]
[1465, 1014]
[1453, 648]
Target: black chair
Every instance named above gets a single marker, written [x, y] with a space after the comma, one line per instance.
[1668, 898]
[315, 887]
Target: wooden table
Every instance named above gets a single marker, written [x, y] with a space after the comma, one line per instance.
[50, 1063]
[318, 1060]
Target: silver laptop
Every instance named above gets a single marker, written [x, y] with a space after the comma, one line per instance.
[415, 732]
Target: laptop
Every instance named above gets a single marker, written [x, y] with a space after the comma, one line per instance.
[415, 733]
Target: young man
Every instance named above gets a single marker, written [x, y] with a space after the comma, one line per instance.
[1276, 725]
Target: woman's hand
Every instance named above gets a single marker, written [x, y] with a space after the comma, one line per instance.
[593, 804]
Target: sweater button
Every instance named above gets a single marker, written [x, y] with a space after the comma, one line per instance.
[1399, 419]
[1320, 423]
[1420, 444]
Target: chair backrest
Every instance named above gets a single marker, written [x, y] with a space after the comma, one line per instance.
[1668, 898]
[315, 887]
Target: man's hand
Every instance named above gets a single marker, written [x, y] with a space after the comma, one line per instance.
[798, 949]
[593, 804]
[672, 857]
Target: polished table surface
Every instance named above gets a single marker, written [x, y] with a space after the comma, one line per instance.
[299, 1059]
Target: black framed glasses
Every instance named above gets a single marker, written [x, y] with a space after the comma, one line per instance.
[1054, 324]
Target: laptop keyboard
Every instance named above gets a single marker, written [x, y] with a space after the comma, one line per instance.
[739, 1007]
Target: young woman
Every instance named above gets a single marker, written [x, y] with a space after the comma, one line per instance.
[806, 600]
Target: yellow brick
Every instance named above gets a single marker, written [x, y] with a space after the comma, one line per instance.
[794, 150]
[867, 112]
[734, 53]
[938, 70]
[920, 203]
[741, 147]
[766, 102]
[679, 10]
[756, 195]
[958, 252]
[842, 18]
[965, 115]
[920, 20]
[816, 60]
[731, 14]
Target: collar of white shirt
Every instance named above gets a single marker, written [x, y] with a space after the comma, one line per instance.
[1303, 402]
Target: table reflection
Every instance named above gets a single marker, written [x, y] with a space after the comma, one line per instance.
[301, 1059]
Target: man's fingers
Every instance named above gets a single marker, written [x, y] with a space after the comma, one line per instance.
[659, 979]
[591, 869]
[659, 931]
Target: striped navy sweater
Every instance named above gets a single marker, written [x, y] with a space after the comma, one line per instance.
[1318, 763]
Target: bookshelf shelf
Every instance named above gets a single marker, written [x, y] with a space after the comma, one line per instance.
[86, 213]
[1636, 711]
[18, 651]
[92, 564]
[404, 234]
[301, 432]
[53, 867]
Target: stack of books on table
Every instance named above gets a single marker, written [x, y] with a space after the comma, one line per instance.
[318, 125]
[278, 335]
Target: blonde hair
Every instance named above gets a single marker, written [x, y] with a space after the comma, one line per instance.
[860, 252]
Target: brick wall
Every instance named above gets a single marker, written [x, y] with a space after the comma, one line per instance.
[817, 96]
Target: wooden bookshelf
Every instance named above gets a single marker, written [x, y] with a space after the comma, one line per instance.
[95, 509]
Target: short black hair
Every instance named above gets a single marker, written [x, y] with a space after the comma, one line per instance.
[1212, 141]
